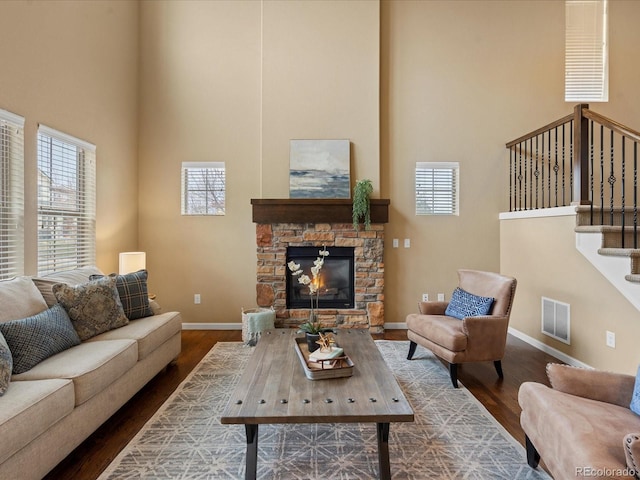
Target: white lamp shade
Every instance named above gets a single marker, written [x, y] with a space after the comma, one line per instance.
[132, 262]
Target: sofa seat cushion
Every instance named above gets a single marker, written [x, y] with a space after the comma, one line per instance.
[92, 366]
[149, 332]
[20, 298]
[28, 409]
[577, 431]
[448, 332]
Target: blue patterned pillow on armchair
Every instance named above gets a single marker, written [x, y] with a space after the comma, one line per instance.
[464, 304]
[635, 400]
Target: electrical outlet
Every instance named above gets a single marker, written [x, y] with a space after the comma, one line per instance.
[407, 243]
[611, 339]
[395, 243]
[196, 298]
[425, 297]
[441, 297]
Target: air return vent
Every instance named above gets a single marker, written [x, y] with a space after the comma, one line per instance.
[556, 319]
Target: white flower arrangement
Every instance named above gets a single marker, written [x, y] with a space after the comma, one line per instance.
[312, 283]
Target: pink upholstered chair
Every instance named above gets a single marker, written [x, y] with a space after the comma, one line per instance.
[470, 339]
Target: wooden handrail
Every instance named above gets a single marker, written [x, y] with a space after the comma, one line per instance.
[612, 125]
[544, 129]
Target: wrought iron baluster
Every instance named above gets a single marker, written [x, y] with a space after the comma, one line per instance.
[511, 160]
[612, 177]
[591, 171]
[622, 189]
[555, 166]
[520, 176]
[549, 177]
[537, 173]
[564, 198]
[635, 194]
[601, 175]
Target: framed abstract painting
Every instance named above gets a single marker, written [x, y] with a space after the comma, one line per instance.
[319, 169]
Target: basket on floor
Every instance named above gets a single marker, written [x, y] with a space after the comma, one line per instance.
[254, 322]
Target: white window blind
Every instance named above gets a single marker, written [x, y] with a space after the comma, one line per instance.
[437, 188]
[66, 202]
[203, 188]
[586, 51]
[11, 195]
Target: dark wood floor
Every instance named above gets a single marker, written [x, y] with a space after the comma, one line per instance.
[522, 363]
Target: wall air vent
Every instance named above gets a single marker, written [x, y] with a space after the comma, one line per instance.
[556, 319]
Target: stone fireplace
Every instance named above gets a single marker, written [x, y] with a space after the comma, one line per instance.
[284, 224]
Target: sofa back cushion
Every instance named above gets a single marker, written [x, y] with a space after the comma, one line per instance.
[19, 298]
[70, 277]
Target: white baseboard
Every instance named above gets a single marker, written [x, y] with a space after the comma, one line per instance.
[395, 326]
[547, 349]
[211, 326]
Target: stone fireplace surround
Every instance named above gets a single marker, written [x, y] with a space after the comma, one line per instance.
[293, 223]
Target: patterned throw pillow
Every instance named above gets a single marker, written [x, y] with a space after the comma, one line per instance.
[93, 307]
[34, 339]
[6, 365]
[635, 400]
[133, 292]
[464, 304]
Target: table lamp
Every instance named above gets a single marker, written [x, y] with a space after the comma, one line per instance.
[132, 262]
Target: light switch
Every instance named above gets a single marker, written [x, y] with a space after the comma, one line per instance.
[407, 243]
[395, 243]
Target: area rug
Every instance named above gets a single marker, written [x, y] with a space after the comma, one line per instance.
[453, 436]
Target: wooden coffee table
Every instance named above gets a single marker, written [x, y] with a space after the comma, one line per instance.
[273, 389]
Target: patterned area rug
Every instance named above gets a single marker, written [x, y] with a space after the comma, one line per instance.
[453, 435]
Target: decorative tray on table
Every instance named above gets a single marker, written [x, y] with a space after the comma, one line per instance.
[336, 367]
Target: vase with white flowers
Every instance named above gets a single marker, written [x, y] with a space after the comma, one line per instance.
[312, 327]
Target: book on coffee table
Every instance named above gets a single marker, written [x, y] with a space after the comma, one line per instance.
[320, 355]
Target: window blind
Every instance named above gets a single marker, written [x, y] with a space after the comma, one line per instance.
[11, 195]
[437, 188]
[66, 202]
[203, 188]
[586, 51]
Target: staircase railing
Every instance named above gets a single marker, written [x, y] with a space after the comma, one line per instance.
[581, 159]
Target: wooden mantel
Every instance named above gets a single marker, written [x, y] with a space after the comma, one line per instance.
[321, 210]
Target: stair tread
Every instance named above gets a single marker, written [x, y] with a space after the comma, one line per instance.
[604, 228]
[634, 277]
[620, 252]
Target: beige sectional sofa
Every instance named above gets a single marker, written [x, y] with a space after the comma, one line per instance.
[51, 408]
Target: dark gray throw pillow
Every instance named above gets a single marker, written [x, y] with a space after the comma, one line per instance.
[36, 338]
[133, 292]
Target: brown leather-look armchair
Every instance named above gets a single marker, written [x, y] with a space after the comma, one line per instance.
[472, 339]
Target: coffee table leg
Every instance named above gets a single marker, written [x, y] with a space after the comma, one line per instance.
[383, 451]
[252, 451]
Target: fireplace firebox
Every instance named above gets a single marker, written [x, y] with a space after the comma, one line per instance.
[336, 289]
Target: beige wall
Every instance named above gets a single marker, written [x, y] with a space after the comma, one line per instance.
[234, 82]
[73, 66]
[459, 80]
[552, 267]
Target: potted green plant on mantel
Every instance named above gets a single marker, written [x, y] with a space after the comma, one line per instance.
[361, 204]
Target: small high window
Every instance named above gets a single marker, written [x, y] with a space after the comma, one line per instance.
[586, 51]
[203, 188]
[437, 188]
